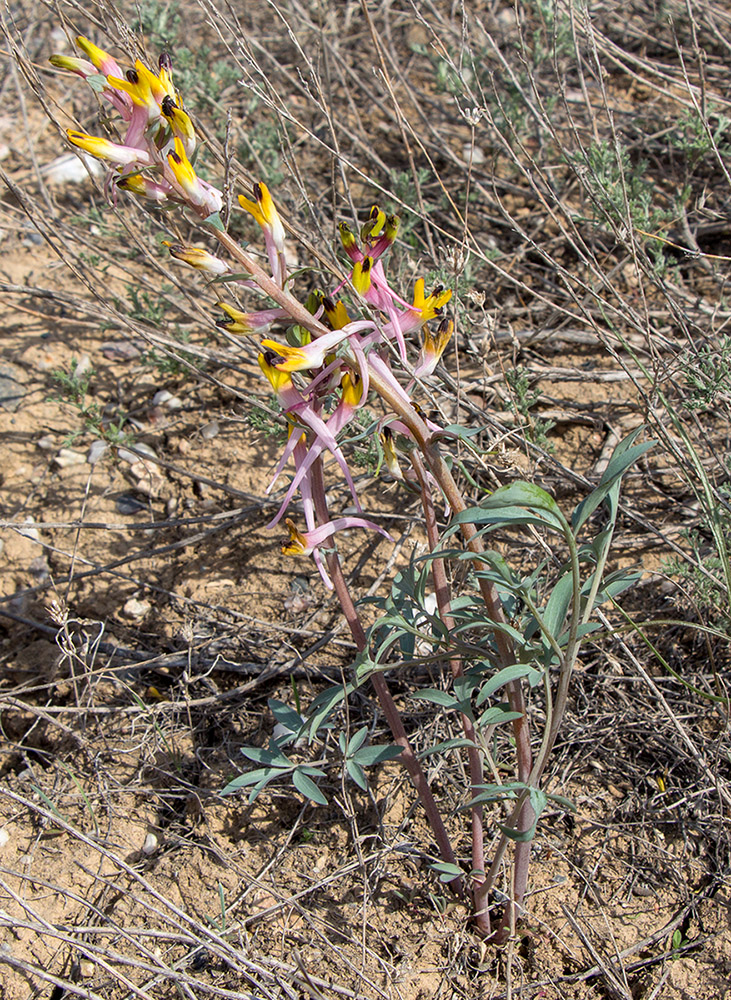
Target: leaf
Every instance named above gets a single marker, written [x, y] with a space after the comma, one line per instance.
[561, 800]
[521, 494]
[538, 799]
[504, 516]
[357, 741]
[496, 716]
[214, 220]
[494, 793]
[437, 697]
[458, 431]
[261, 776]
[97, 82]
[261, 755]
[455, 744]
[616, 583]
[324, 704]
[447, 872]
[625, 454]
[285, 715]
[554, 613]
[376, 754]
[507, 674]
[357, 773]
[308, 788]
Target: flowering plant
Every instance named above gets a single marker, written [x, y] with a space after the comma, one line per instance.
[516, 631]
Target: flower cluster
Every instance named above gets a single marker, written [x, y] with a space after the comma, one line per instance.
[320, 382]
[154, 159]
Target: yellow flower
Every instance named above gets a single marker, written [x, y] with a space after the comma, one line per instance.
[352, 389]
[374, 225]
[429, 307]
[182, 171]
[278, 379]
[336, 313]
[197, 257]
[362, 275]
[433, 347]
[100, 59]
[145, 89]
[180, 123]
[106, 150]
[265, 212]
[297, 544]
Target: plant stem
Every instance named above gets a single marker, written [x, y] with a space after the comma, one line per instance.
[393, 717]
[437, 466]
[441, 588]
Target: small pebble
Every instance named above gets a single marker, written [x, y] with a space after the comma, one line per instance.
[83, 367]
[210, 430]
[129, 505]
[40, 569]
[150, 845]
[165, 398]
[120, 350]
[86, 968]
[97, 449]
[11, 390]
[4, 838]
[135, 608]
[67, 457]
[473, 154]
[47, 443]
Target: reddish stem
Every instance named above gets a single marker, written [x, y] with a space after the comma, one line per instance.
[393, 717]
[442, 591]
